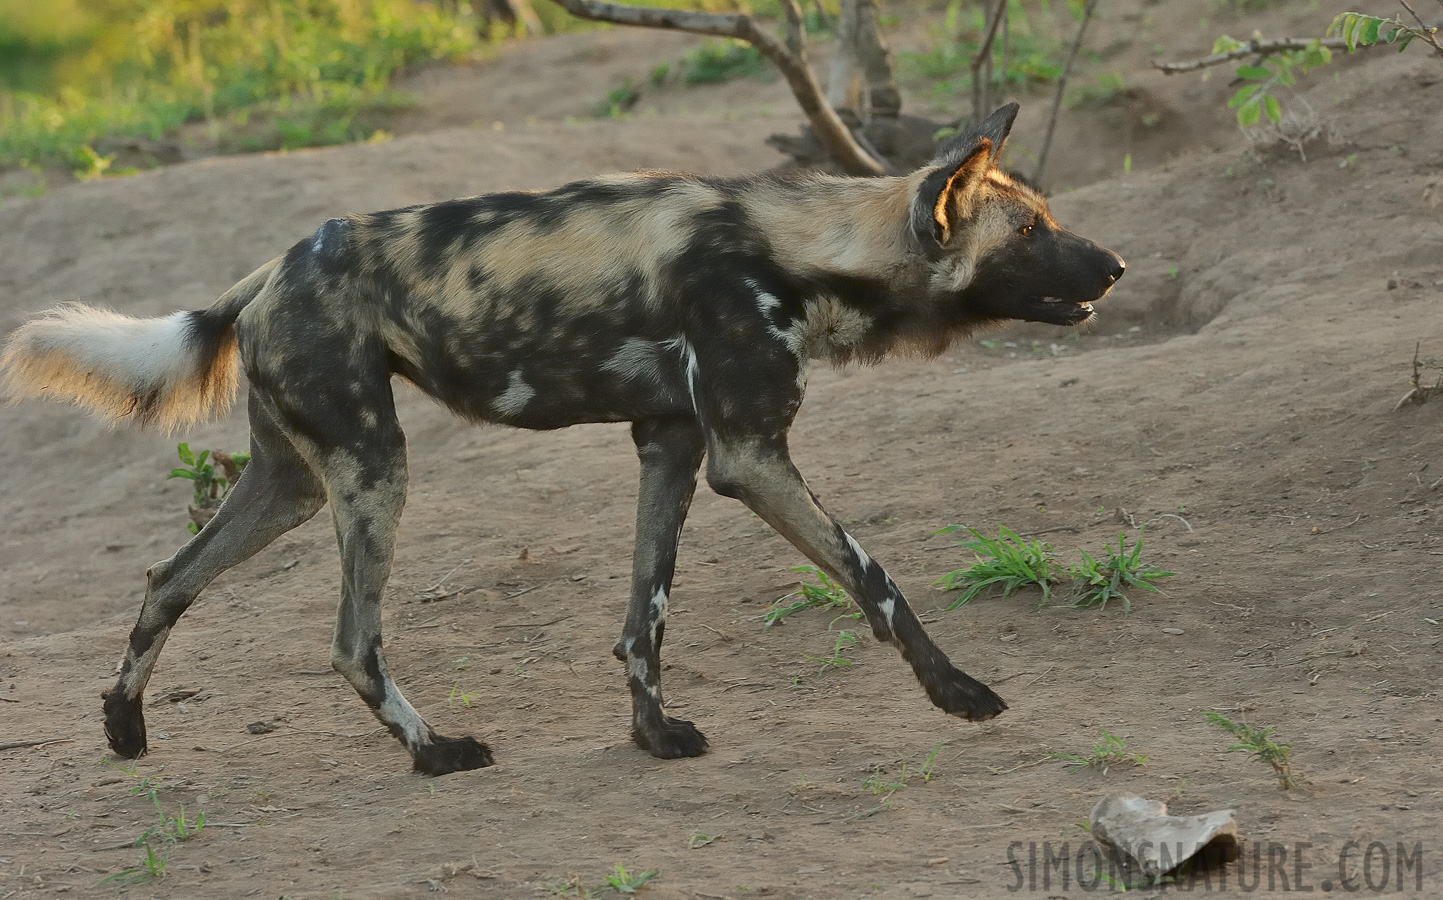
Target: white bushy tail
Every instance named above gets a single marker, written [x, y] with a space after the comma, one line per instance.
[166, 372]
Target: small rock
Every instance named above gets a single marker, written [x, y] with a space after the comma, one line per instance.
[260, 728]
[1172, 631]
[936, 861]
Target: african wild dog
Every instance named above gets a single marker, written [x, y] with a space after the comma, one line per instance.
[686, 306]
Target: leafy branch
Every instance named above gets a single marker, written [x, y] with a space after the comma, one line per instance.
[1359, 30]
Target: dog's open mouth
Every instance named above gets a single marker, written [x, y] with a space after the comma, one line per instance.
[1057, 311]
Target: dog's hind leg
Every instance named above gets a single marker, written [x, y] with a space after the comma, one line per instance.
[670, 452]
[760, 473]
[276, 492]
[350, 428]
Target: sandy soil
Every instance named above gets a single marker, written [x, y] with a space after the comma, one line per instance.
[1237, 396]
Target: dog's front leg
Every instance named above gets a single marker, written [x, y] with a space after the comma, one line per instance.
[759, 472]
[670, 452]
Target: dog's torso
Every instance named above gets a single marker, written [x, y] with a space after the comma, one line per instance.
[593, 302]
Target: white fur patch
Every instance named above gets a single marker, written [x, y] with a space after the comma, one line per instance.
[887, 607]
[112, 364]
[862, 557]
[146, 353]
[688, 359]
[514, 399]
[395, 710]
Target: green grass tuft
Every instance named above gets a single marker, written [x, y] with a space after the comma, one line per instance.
[1259, 743]
[825, 594]
[1008, 561]
[1097, 582]
[1110, 751]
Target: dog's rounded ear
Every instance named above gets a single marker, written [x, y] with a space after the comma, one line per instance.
[945, 196]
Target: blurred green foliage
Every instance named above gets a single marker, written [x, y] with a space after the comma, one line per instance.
[73, 71]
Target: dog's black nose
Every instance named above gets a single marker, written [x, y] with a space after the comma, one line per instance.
[1118, 267]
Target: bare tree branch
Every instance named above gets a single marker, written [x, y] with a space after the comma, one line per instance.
[1254, 47]
[790, 58]
[861, 86]
[984, 54]
[1062, 86]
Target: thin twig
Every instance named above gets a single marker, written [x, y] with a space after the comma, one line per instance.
[1062, 86]
[1050, 530]
[442, 580]
[1026, 765]
[1176, 516]
[532, 624]
[790, 58]
[1428, 30]
[1002, 78]
[1039, 677]
[16, 745]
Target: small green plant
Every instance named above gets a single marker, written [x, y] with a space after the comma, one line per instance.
[458, 694]
[1097, 582]
[826, 594]
[161, 839]
[619, 100]
[209, 486]
[1259, 743]
[91, 166]
[1008, 561]
[883, 785]
[1261, 80]
[845, 641]
[623, 882]
[1110, 751]
[699, 840]
[722, 60]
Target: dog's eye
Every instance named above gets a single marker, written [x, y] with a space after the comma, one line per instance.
[1025, 230]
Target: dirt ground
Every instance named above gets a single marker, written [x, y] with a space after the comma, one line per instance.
[1237, 396]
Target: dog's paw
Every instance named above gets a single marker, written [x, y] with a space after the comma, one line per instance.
[446, 755]
[672, 739]
[960, 694]
[124, 726]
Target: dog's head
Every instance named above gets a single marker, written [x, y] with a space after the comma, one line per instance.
[993, 250]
